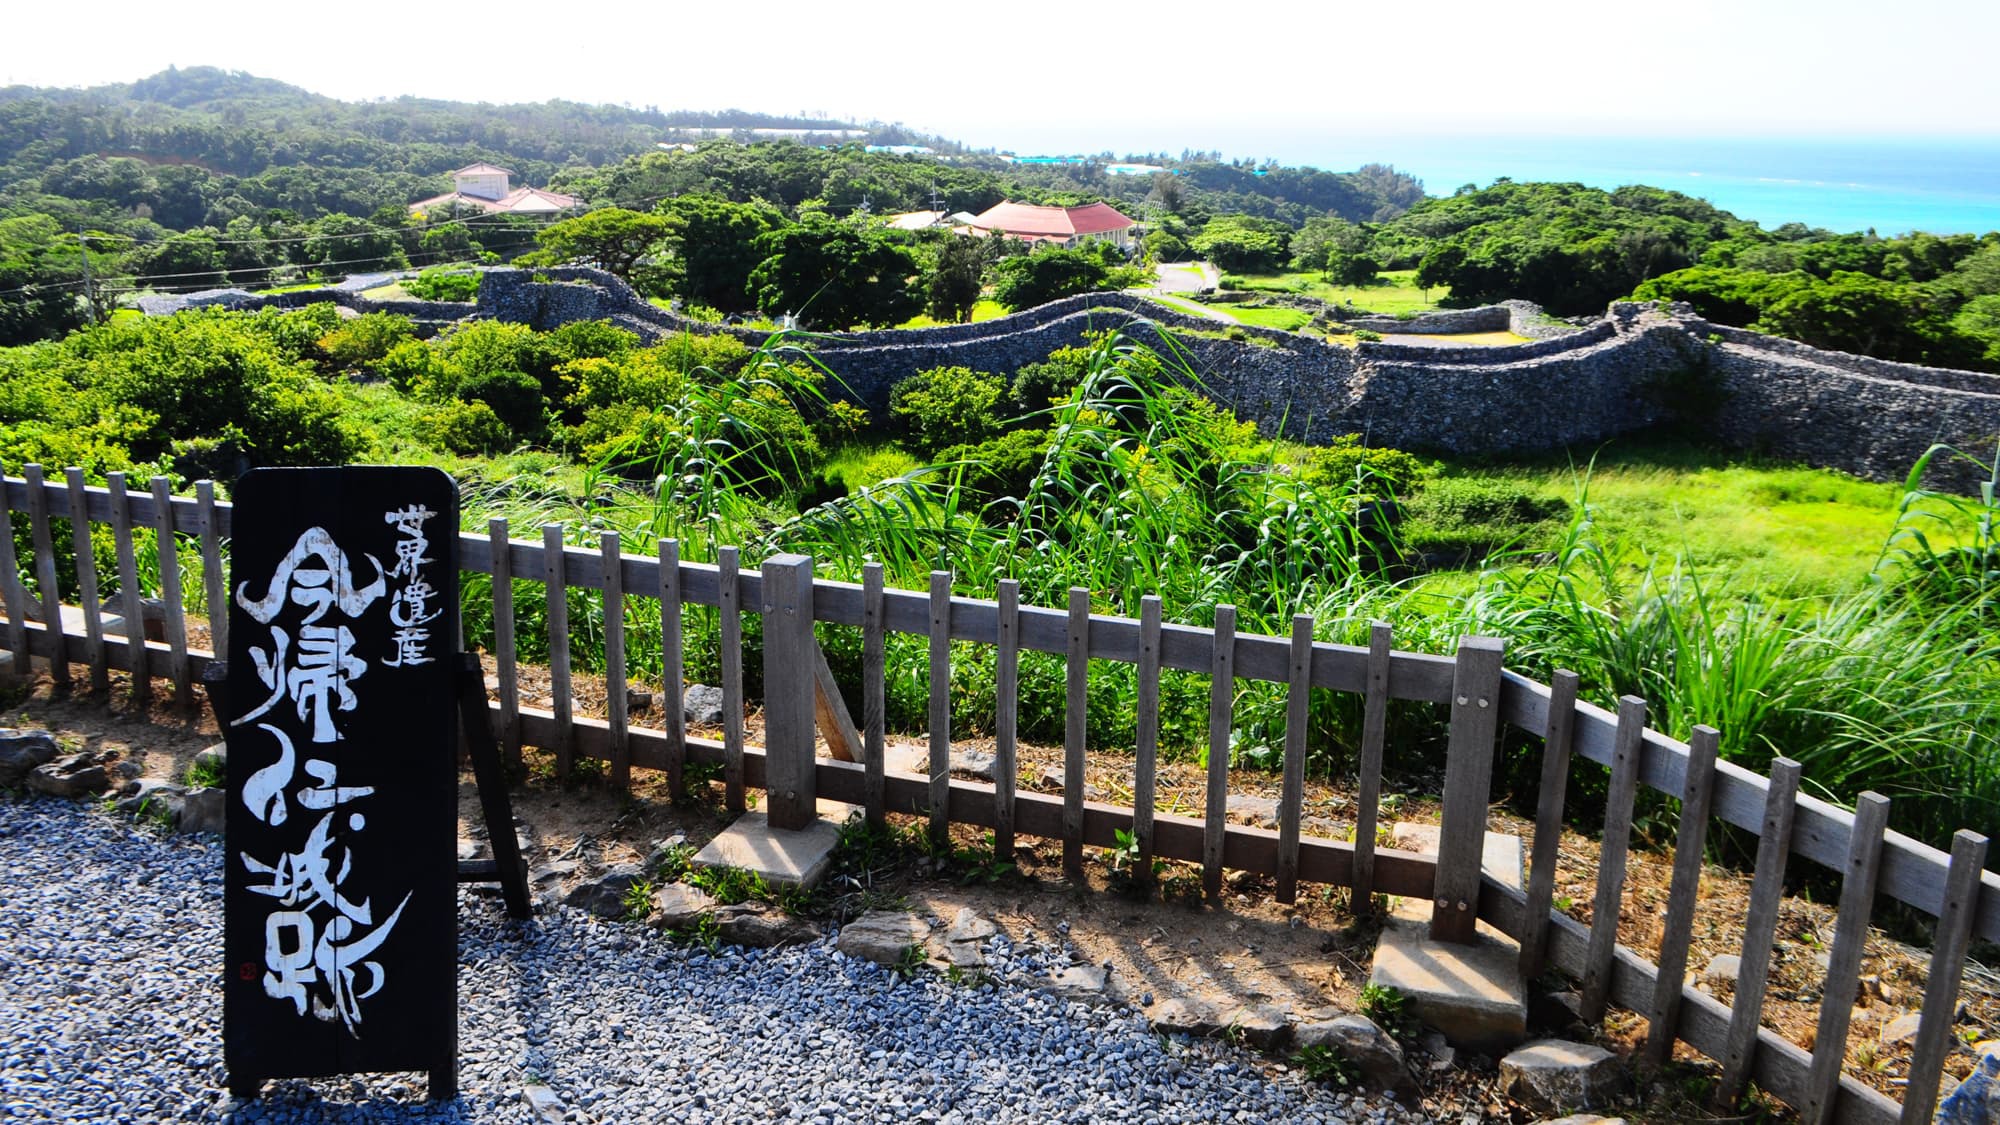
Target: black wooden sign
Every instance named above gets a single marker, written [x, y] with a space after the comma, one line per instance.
[340, 903]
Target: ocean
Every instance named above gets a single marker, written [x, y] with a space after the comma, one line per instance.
[1890, 185]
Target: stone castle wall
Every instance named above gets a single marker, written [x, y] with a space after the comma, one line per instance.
[1639, 366]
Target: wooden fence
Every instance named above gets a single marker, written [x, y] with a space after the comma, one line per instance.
[1472, 684]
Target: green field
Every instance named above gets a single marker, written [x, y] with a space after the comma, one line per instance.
[986, 308]
[1398, 292]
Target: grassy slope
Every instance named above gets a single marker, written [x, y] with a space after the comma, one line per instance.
[1398, 292]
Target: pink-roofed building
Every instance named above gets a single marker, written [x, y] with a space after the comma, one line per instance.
[486, 188]
[1067, 227]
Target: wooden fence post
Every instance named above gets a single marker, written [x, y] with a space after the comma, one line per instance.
[1548, 822]
[940, 708]
[556, 592]
[1374, 730]
[215, 584]
[874, 696]
[1767, 890]
[1468, 786]
[1843, 971]
[1627, 748]
[86, 580]
[45, 578]
[788, 691]
[1697, 800]
[1954, 936]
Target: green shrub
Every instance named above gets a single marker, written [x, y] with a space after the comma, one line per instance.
[1345, 458]
[443, 285]
[1368, 335]
[1037, 386]
[1001, 466]
[945, 406]
[364, 340]
[464, 428]
[411, 367]
[514, 396]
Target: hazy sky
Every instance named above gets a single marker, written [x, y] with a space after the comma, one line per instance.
[1119, 76]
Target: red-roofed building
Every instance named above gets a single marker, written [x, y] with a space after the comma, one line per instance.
[485, 187]
[1067, 227]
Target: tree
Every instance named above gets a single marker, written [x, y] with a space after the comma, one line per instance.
[953, 285]
[1047, 275]
[712, 247]
[612, 238]
[1244, 243]
[835, 274]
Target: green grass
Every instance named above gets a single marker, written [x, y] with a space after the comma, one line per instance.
[1461, 339]
[857, 466]
[1781, 531]
[986, 308]
[393, 291]
[1277, 316]
[1398, 292]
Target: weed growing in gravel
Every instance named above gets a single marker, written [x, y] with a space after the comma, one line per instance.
[1326, 1064]
[674, 864]
[1389, 1007]
[912, 960]
[729, 885]
[639, 900]
[980, 865]
[205, 773]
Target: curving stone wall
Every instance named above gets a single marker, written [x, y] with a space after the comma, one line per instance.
[1639, 366]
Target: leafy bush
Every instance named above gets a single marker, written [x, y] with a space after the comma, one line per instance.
[1047, 275]
[443, 285]
[464, 428]
[514, 396]
[1001, 466]
[364, 340]
[1368, 335]
[1037, 386]
[946, 405]
[411, 367]
[1345, 459]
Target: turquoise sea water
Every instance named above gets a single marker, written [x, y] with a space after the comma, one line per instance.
[1892, 186]
[1942, 185]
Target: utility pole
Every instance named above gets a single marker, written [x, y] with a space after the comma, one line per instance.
[89, 300]
[937, 203]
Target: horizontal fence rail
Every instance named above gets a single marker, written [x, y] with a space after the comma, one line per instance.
[1480, 694]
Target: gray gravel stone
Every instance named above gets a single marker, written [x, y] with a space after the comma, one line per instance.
[619, 1023]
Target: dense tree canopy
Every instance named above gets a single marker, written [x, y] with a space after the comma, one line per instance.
[836, 275]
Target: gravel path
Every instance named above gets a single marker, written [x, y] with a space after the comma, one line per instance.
[109, 1012]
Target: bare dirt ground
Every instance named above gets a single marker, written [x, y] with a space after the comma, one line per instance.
[1311, 957]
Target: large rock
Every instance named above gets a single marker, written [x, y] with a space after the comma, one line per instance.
[203, 811]
[1557, 1075]
[21, 751]
[1977, 1099]
[152, 797]
[606, 896]
[1185, 1015]
[882, 936]
[677, 905]
[702, 705]
[1362, 1042]
[78, 775]
[1260, 811]
[215, 758]
[757, 925]
[1262, 1026]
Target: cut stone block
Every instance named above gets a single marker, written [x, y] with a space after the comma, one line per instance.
[1473, 992]
[782, 858]
[1501, 856]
